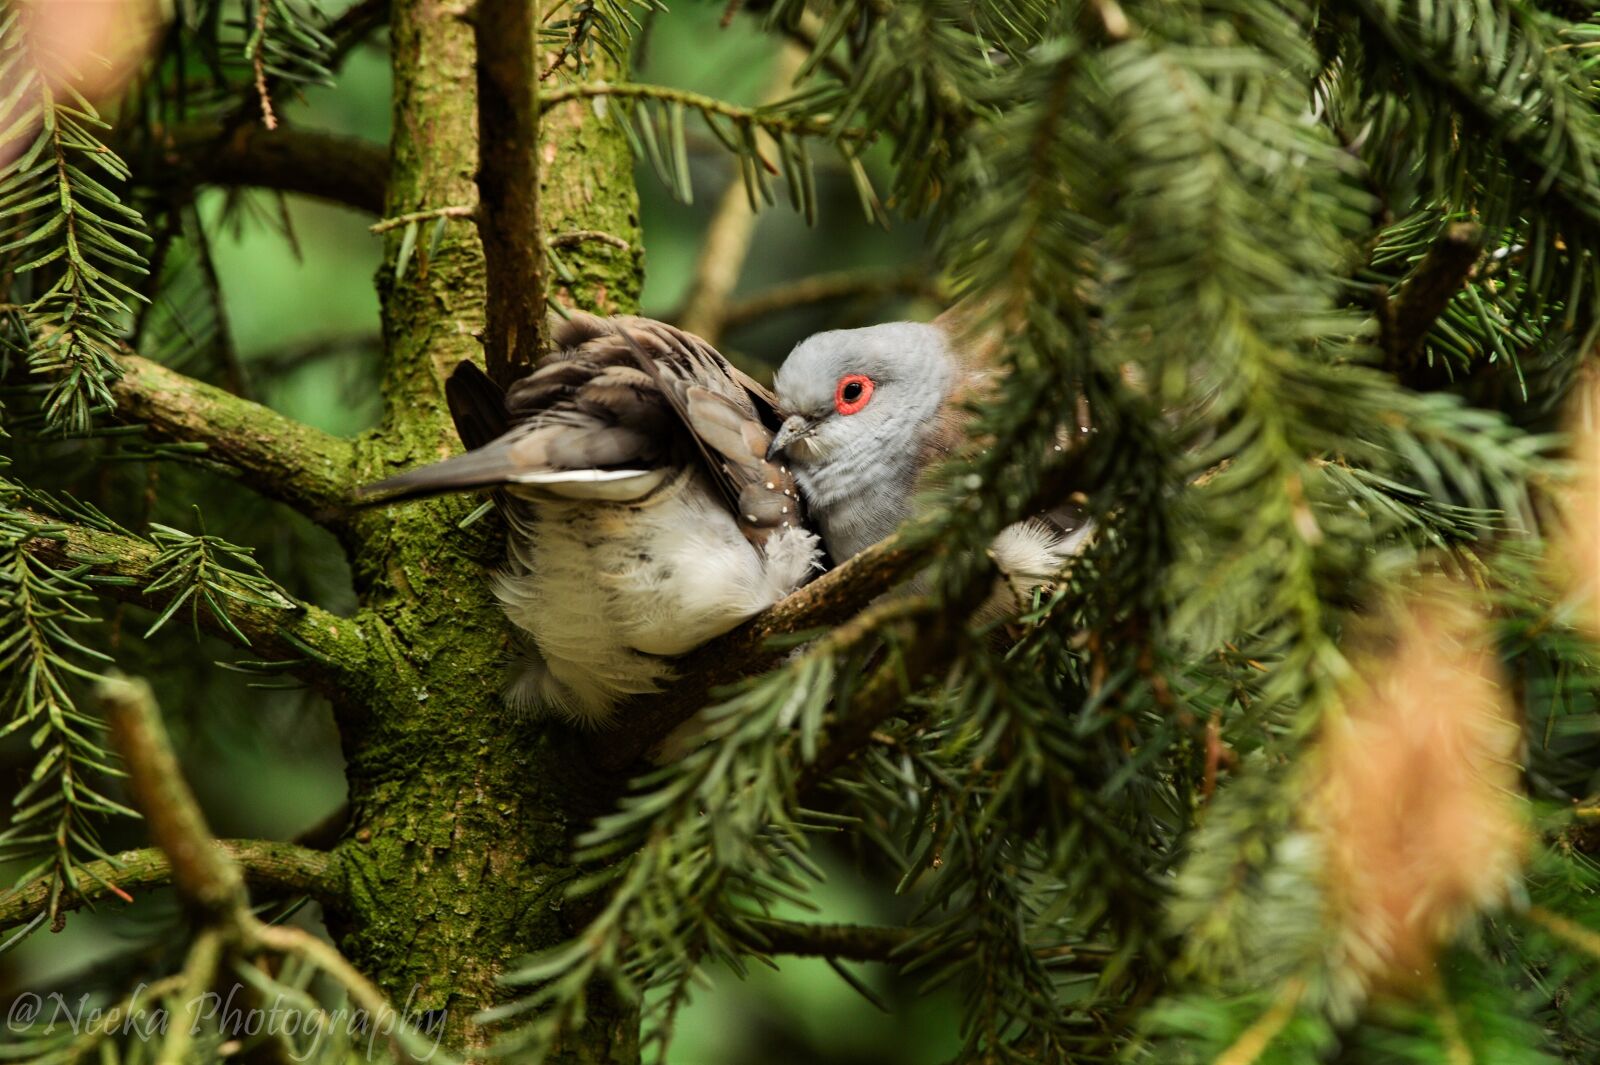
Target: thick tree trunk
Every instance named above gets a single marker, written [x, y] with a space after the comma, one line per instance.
[462, 815]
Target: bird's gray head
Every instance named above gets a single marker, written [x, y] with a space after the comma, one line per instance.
[859, 403]
[853, 392]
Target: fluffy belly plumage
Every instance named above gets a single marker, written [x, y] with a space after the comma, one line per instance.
[609, 592]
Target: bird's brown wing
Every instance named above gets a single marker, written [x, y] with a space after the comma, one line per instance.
[607, 415]
[587, 423]
[719, 408]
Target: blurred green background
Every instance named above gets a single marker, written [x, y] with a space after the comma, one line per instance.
[301, 315]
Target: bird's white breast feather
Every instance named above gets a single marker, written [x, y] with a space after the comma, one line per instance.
[605, 590]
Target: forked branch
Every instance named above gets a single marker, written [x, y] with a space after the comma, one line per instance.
[322, 648]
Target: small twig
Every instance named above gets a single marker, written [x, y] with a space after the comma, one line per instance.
[579, 236]
[733, 225]
[455, 211]
[1425, 296]
[199, 971]
[858, 942]
[1255, 1040]
[258, 60]
[382, 1017]
[825, 288]
[204, 878]
[698, 101]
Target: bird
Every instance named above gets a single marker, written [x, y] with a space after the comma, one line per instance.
[645, 515]
[869, 412]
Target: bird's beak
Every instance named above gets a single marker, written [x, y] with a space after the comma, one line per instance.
[795, 427]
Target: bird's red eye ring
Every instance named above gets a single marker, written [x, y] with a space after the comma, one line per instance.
[853, 392]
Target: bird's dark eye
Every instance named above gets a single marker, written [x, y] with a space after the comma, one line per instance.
[853, 392]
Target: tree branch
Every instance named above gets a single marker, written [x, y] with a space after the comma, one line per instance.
[852, 942]
[508, 186]
[328, 651]
[859, 942]
[1405, 323]
[727, 241]
[204, 878]
[280, 867]
[283, 459]
[207, 879]
[328, 166]
[825, 288]
[836, 596]
[769, 119]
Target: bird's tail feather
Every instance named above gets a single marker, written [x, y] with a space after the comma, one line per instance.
[477, 405]
[494, 466]
[482, 468]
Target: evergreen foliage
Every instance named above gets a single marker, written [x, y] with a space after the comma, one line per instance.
[1294, 297]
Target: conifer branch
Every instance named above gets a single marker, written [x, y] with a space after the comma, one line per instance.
[324, 649]
[508, 186]
[278, 456]
[887, 943]
[278, 867]
[764, 117]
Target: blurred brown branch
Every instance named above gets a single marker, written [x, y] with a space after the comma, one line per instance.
[825, 288]
[1406, 319]
[508, 186]
[343, 170]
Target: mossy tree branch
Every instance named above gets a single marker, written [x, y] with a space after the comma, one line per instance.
[284, 459]
[327, 651]
[281, 868]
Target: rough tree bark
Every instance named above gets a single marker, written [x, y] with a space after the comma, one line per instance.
[461, 814]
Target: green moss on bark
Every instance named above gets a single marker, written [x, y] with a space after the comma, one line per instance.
[462, 814]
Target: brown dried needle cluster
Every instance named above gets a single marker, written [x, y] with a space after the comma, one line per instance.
[1418, 801]
[1579, 547]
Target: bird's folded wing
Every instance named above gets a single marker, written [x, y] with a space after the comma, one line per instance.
[717, 407]
[582, 427]
[601, 417]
